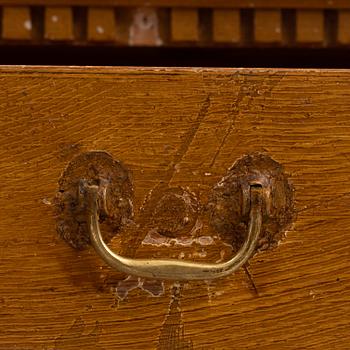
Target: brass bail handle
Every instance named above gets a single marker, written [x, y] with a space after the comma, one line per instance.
[172, 269]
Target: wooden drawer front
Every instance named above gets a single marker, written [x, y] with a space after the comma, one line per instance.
[179, 127]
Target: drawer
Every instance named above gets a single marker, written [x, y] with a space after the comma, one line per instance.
[174, 133]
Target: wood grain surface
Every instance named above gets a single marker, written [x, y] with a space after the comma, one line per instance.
[179, 127]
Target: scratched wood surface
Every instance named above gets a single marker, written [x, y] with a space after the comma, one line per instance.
[182, 127]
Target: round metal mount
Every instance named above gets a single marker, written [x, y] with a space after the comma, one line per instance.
[115, 196]
[229, 203]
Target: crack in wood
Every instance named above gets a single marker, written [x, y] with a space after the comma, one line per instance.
[189, 137]
[172, 334]
[76, 336]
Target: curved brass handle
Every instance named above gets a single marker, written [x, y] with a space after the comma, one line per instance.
[173, 269]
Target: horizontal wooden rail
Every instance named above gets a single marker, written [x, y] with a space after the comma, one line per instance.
[175, 26]
[283, 4]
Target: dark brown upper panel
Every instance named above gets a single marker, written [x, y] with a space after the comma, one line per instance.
[284, 4]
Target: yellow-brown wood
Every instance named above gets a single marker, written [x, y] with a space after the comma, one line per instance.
[309, 26]
[101, 24]
[181, 127]
[343, 27]
[16, 23]
[226, 26]
[58, 23]
[184, 24]
[268, 26]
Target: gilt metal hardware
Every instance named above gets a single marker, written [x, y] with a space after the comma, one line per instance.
[170, 268]
[250, 208]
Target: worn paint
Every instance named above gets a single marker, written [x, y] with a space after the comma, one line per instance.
[27, 25]
[155, 239]
[154, 288]
[144, 29]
